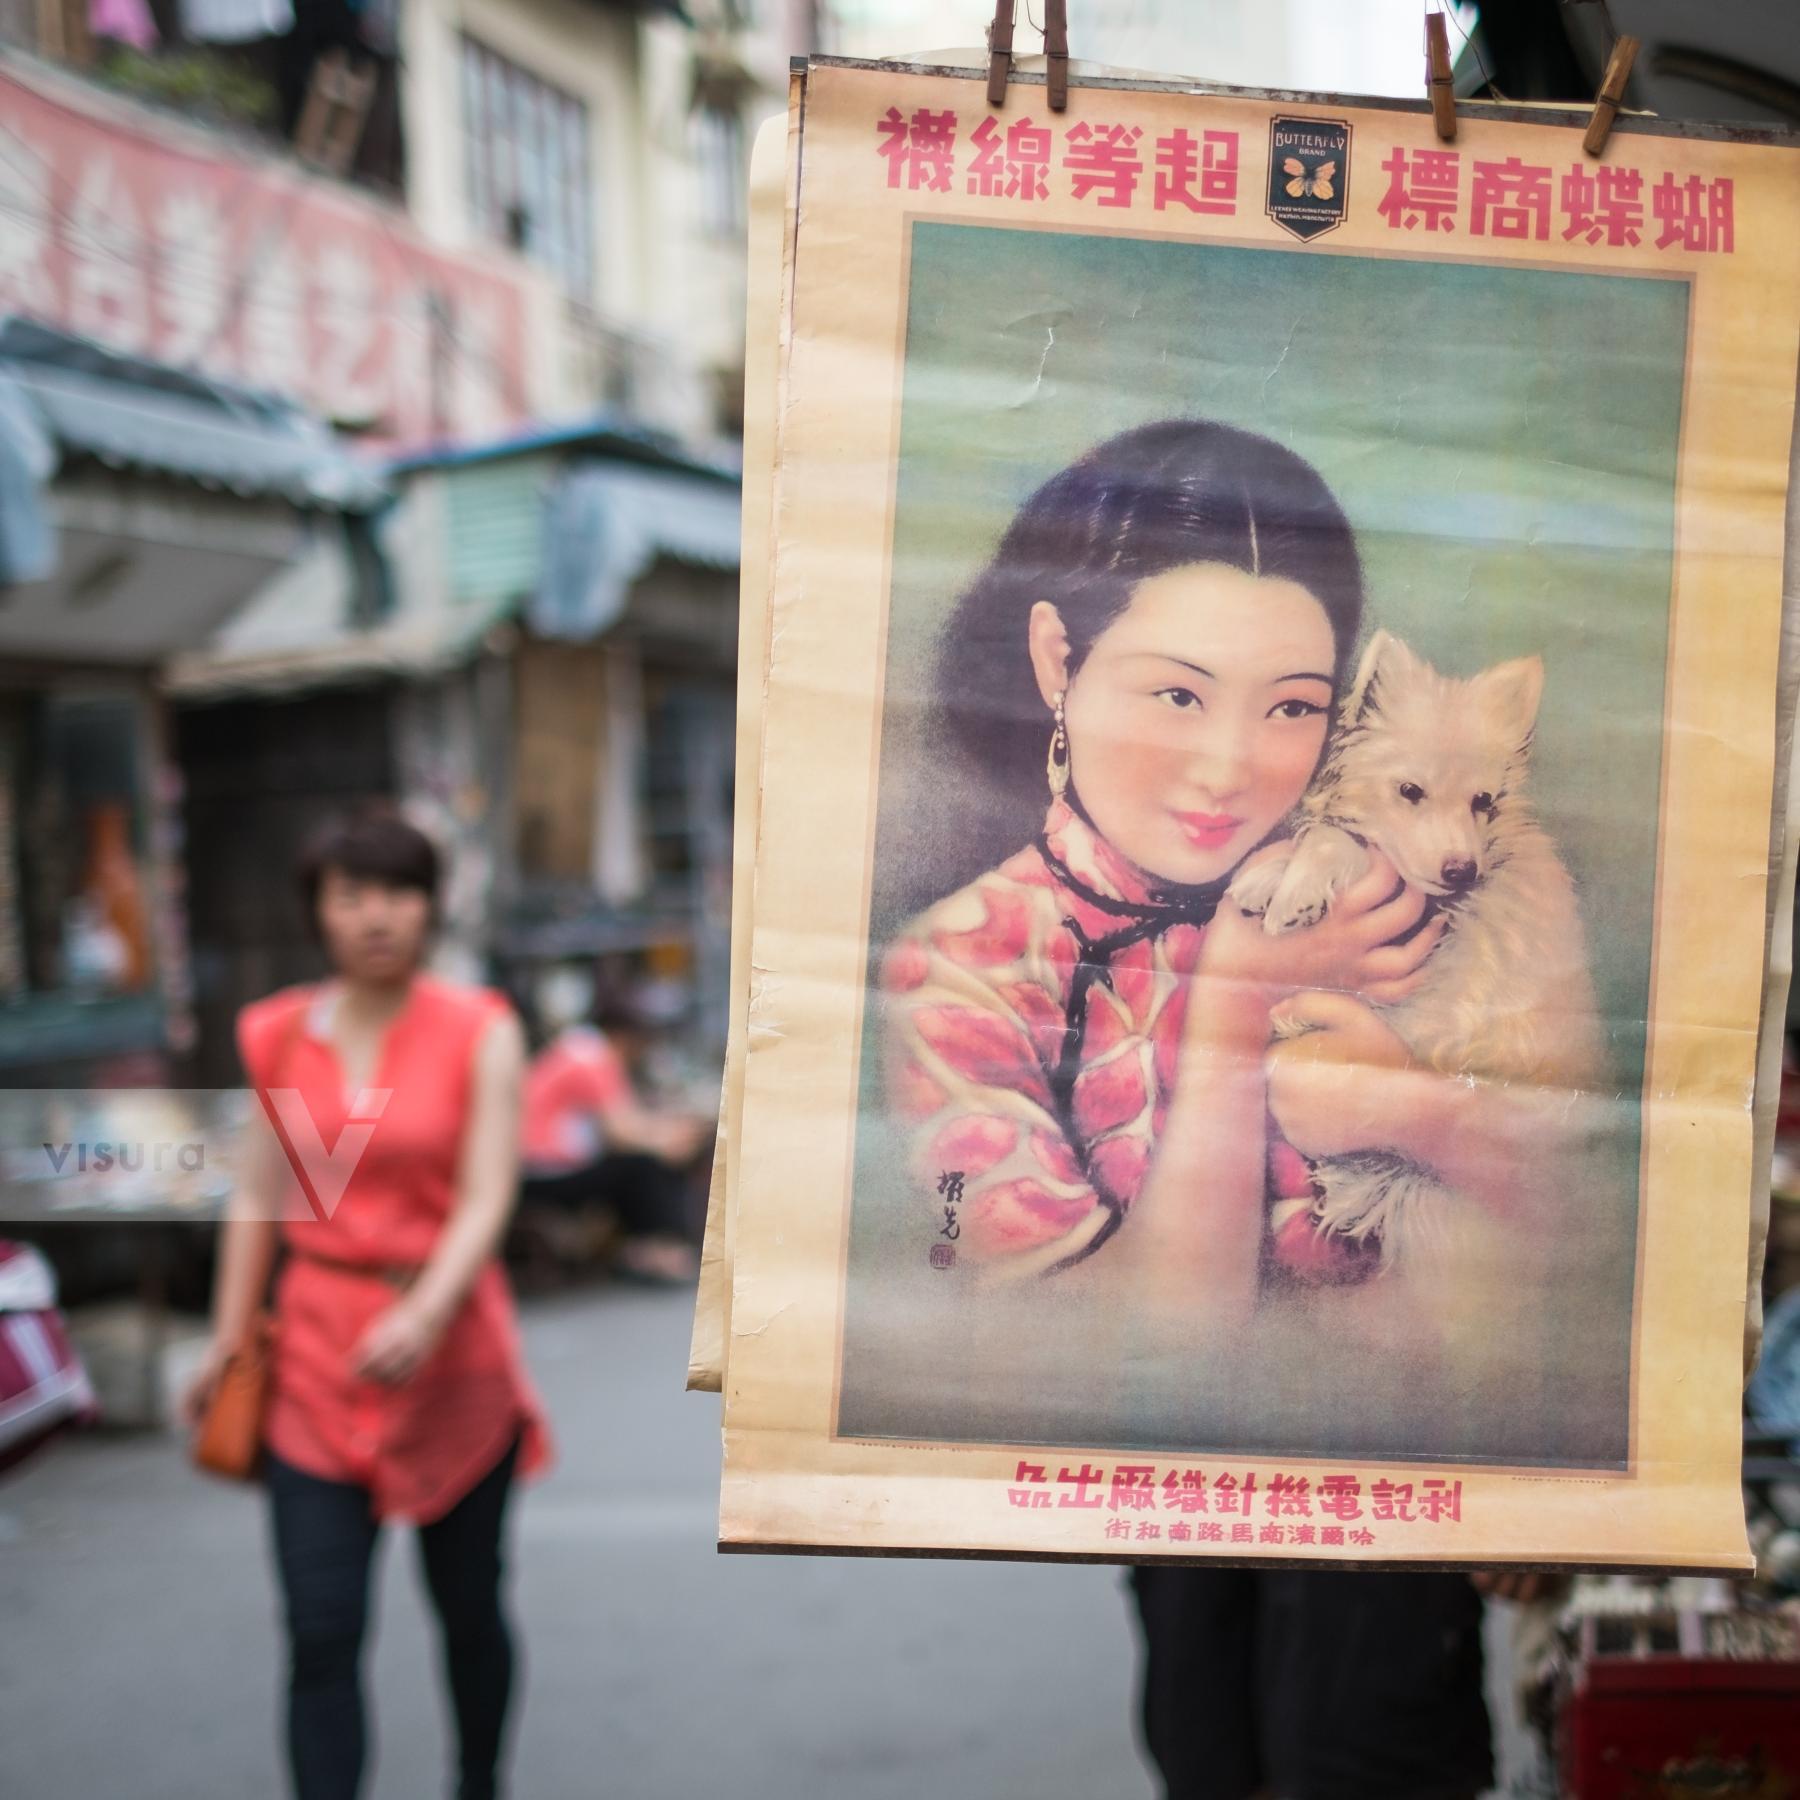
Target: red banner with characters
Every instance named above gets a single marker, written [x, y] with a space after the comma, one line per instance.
[153, 240]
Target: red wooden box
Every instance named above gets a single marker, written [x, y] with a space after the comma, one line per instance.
[1682, 1728]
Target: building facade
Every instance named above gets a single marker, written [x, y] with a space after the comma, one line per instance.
[495, 248]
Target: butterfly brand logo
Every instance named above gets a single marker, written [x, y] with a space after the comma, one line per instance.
[1309, 175]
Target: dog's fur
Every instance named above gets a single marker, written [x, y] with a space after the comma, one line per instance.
[1507, 996]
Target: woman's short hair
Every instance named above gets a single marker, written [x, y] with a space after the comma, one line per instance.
[375, 843]
[1155, 498]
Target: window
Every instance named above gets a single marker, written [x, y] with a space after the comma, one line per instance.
[526, 166]
[718, 138]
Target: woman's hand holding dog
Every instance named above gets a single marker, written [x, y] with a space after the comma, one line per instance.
[1352, 948]
[1197, 1226]
[1347, 1082]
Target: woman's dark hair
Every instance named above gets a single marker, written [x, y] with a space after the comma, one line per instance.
[1149, 500]
[373, 844]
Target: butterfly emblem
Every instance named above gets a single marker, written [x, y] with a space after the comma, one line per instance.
[1309, 175]
[1315, 185]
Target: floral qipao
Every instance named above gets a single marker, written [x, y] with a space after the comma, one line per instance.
[1033, 1022]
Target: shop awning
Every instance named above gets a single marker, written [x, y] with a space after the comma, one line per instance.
[27, 461]
[140, 504]
[605, 523]
[130, 413]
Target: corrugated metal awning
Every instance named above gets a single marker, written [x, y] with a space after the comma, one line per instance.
[27, 461]
[606, 523]
[131, 413]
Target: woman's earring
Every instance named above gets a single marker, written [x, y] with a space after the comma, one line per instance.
[1058, 765]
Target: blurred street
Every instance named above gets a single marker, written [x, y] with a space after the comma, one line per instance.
[391, 403]
[142, 1655]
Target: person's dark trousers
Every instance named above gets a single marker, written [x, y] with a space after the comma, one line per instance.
[324, 1540]
[1313, 1684]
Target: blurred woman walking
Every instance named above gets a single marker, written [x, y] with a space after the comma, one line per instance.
[386, 1163]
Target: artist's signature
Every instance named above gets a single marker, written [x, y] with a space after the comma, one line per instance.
[950, 1191]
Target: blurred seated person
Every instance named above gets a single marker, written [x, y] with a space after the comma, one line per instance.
[589, 1140]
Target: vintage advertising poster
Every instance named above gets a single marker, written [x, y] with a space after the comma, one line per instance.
[1269, 748]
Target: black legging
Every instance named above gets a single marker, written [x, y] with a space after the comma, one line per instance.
[324, 1543]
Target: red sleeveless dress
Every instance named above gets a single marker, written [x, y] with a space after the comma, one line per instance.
[374, 1184]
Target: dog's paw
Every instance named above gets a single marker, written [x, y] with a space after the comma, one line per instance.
[1303, 897]
[1296, 915]
[1254, 888]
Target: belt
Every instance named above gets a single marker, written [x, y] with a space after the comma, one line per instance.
[399, 1275]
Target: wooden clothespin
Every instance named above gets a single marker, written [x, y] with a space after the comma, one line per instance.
[1056, 52]
[1440, 84]
[1000, 36]
[1612, 91]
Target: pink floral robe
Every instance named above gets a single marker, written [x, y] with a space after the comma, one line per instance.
[1033, 1020]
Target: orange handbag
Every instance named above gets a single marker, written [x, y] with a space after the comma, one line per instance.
[229, 1440]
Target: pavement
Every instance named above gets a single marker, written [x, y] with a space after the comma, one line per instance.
[139, 1653]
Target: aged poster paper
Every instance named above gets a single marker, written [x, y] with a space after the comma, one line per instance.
[769, 168]
[1261, 879]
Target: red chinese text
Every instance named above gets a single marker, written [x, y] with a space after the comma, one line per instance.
[1103, 161]
[1198, 173]
[1011, 165]
[920, 151]
[1608, 205]
[1144, 1502]
[1422, 189]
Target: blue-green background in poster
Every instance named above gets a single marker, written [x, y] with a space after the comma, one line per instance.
[1503, 440]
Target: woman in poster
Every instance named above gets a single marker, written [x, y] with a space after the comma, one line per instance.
[1080, 1043]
